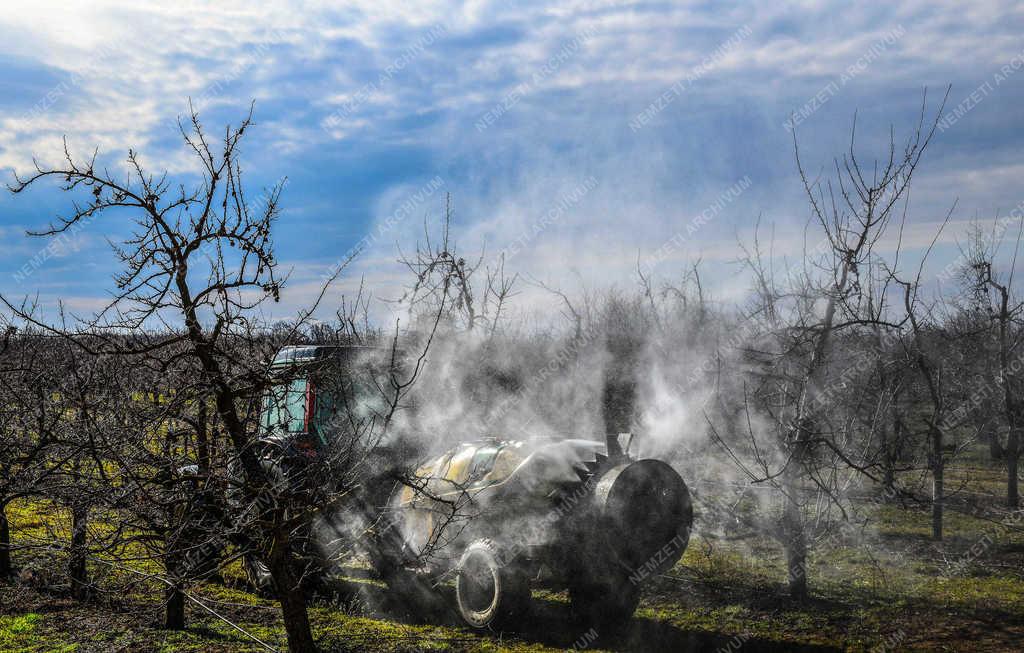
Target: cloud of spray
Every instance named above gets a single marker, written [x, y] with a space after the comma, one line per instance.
[690, 362]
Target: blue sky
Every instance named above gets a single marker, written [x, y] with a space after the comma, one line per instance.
[513, 107]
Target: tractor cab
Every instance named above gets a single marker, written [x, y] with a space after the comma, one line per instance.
[321, 396]
[324, 410]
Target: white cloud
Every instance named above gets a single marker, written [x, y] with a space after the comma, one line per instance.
[127, 69]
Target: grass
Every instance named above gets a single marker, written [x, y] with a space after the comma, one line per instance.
[21, 634]
[888, 588]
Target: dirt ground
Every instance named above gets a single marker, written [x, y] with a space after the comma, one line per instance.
[893, 589]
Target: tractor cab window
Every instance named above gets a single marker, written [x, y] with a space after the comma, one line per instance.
[349, 404]
[326, 409]
[284, 407]
[337, 401]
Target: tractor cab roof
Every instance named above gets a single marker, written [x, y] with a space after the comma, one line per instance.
[302, 354]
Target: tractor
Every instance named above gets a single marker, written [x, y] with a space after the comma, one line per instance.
[494, 517]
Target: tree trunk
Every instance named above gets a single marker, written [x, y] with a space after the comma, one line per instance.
[290, 595]
[995, 448]
[1012, 456]
[293, 605]
[938, 472]
[889, 480]
[888, 464]
[202, 437]
[893, 448]
[5, 543]
[618, 406]
[175, 615]
[796, 550]
[174, 596]
[1012, 407]
[794, 537]
[77, 572]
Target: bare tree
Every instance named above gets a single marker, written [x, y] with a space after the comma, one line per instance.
[28, 423]
[795, 349]
[182, 329]
[1004, 311]
[934, 371]
[202, 255]
[467, 292]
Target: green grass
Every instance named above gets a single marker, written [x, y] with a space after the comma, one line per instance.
[866, 591]
[21, 634]
[889, 583]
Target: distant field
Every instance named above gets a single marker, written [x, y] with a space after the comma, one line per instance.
[893, 590]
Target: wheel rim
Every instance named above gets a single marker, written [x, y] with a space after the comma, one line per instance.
[477, 587]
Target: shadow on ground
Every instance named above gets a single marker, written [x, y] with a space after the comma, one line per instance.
[550, 623]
